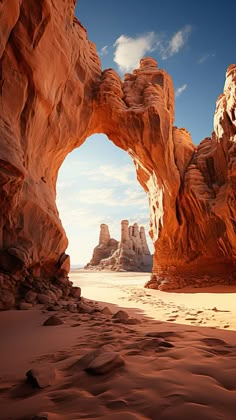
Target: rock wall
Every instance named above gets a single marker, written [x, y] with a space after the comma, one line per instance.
[202, 250]
[53, 95]
[48, 71]
[131, 253]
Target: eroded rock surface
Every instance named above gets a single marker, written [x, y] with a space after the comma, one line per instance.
[42, 376]
[105, 249]
[131, 253]
[53, 95]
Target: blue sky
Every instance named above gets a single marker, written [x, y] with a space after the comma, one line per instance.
[194, 41]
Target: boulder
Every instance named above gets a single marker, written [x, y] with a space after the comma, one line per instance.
[101, 361]
[41, 377]
[46, 298]
[106, 311]
[7, 300]
[53, 321]
[121, 315]
[30, 296]
[24, 306]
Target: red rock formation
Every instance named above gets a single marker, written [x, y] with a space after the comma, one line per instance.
[131, 253]
[106, 247]
[53, 96]
[48, 71]
[203, 247]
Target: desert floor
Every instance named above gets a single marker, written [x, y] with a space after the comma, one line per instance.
[213, 307]
[172, 357]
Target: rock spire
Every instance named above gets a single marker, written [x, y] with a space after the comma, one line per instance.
[131, 253]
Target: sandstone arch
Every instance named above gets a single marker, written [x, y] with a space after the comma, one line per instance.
[53, 96]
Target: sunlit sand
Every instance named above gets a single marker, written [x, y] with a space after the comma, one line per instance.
[211, 307]
[177, 353]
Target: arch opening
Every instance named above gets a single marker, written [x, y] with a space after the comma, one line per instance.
[97, 185]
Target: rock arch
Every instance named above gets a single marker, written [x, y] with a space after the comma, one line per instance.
[53, 96]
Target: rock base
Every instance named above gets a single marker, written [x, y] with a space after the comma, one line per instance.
[18, 292]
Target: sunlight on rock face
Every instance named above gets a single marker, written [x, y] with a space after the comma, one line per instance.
[130, 253]
[161, 355]
[51, 103]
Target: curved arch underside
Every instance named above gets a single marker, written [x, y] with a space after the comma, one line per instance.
[53, 96]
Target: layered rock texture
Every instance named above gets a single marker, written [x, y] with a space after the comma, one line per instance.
[131, 253]
[53, 95]
[104, 250]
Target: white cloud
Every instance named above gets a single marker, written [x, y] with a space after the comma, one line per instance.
[82, 219]
[204, 58]
[135, 197]
[114, 198]
[129, 51]
[97, 196]
[104, 50]
[180, 90]
[63, 185]
[177, 42]
[98, 188]
[122, 174]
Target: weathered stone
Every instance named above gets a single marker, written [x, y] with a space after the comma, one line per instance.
[121, 315]
[84, 308]
[7, 300]
[46, 298]
[58, 293]
[24, 306]
[72, 307]
[53, 321]
[53, 308]
[41, 377]
[76, 292]
[101, 361]
[130, 254]
[105, 249]
[30, 296]
[106, 311]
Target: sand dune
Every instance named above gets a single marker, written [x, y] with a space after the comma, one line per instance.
[136, 366]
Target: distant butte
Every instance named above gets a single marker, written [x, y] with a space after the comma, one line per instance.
[131, 253]
[54, 95]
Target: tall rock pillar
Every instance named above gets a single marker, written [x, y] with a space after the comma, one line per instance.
[104, 236]
[124, 231]
[144, 241]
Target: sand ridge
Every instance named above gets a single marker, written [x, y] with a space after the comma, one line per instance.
[195, 376]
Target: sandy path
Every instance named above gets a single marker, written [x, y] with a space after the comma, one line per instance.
[213, 307]
[169, 370]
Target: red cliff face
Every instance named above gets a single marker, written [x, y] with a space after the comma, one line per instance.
[53, 96]
[202, 250]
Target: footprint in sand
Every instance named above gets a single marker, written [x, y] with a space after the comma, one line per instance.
[191, 319]
[173, 318]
